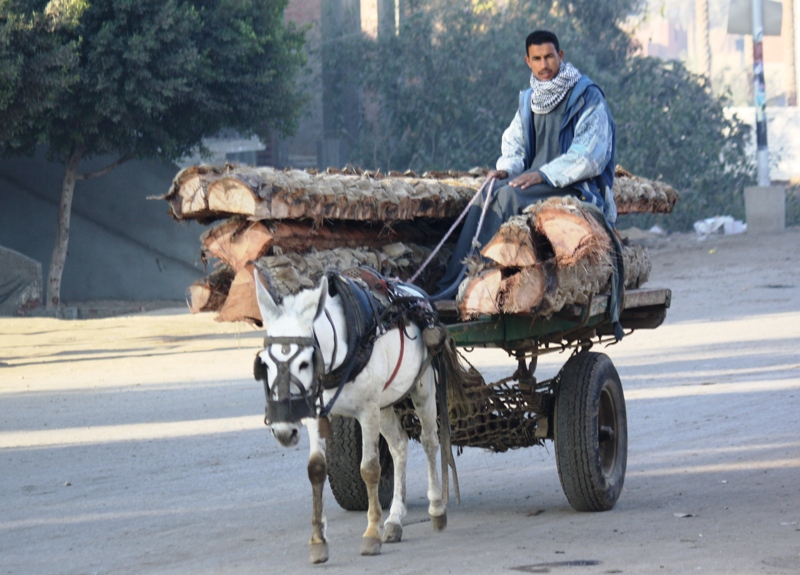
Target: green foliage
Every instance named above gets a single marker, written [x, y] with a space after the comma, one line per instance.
[671, 127]
[144, 78]
[441, 92]
[445, 87]
[36, 68]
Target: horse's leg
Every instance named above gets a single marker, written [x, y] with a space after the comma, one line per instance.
[397, 440]
[424, 399]
[317, 473]
[371, 474]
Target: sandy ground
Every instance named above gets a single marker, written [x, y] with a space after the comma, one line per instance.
[134, 444]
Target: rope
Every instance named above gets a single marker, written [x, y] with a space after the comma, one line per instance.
[454, 226]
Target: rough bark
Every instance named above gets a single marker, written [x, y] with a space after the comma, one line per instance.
[59, 256]
[633, 194]
[237, 241]
[289, 273]
[209, 193]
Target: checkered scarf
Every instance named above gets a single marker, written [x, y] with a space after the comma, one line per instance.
[547, 95]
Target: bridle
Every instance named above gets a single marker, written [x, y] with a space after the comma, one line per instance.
[292, 408]
[287, 407]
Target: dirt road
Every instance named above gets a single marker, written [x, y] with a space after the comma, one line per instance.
[134, 445]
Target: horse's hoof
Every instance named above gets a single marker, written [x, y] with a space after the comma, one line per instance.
[319, 552]
[392, 533]
[370, 546]
[439, 521]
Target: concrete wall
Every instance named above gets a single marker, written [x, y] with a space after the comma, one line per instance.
[122, 246]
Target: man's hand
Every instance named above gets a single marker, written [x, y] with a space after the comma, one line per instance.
[496, 174]
[526, 180]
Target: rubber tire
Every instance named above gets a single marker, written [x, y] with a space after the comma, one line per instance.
[343, 458]
[592, 472]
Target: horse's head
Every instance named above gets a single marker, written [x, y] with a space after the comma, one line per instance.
[290, 363]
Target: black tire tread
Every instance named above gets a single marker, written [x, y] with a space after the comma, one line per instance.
[343, 458]
[576, 446]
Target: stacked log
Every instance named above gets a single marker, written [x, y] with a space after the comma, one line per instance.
[292, 225]
[556, 254]
[206, 193]
[290, 273]
[209, 193]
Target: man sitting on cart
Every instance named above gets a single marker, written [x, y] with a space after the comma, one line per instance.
[561, 142]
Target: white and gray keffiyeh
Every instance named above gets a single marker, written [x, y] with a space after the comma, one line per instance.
[547, 95]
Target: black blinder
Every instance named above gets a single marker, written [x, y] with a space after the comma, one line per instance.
[259, 369]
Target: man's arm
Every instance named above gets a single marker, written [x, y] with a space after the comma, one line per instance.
[589, 152]
[512, 161]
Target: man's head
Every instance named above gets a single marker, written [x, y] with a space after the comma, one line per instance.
[542, 54]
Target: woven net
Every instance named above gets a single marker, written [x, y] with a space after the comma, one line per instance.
[498, 416]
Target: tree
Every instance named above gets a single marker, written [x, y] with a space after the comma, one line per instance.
[35, 68]
[446, 86]
[146, 79]
[671, 127]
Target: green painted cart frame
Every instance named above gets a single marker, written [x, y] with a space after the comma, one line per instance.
[582, 409]
[527, 333]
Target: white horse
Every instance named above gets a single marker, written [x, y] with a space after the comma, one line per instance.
[306, 335]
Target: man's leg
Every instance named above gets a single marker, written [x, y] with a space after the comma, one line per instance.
[506, 201]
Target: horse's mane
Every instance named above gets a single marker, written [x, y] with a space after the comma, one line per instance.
[284, 281]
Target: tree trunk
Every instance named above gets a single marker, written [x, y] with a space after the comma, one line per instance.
[62, 234]
[703, 43]
[789, 40]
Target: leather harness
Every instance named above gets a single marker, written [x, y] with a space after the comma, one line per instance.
[372, 305]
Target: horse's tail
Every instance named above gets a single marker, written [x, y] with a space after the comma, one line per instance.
[452, 380]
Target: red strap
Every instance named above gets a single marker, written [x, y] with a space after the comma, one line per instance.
[399, 359]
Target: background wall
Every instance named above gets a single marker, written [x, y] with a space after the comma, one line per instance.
[122, 245]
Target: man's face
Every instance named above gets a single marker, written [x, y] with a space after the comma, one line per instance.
[544, 61]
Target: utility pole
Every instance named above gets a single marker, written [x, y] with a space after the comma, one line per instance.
[764, 205]
[702, 39]
[759, 18]
[790, 49]
[759, 93]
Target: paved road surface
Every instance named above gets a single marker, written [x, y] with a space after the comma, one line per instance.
[134, 445]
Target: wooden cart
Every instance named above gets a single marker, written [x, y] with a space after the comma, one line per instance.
[581, 409]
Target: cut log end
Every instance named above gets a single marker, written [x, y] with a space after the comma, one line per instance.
[512, 245]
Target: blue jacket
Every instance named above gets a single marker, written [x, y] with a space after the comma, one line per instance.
[586, 161]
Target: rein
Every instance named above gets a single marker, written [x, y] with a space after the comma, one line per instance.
[310, 402]
[399, 359]
[455, 225]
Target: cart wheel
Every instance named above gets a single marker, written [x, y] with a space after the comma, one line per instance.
[591, 432]
[344, 466]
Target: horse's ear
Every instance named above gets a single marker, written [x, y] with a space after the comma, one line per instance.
[323, 296]
[269, 309]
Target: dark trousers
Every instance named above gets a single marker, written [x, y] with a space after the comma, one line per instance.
[506, 201]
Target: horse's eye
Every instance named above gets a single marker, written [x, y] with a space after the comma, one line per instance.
[303, 365]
